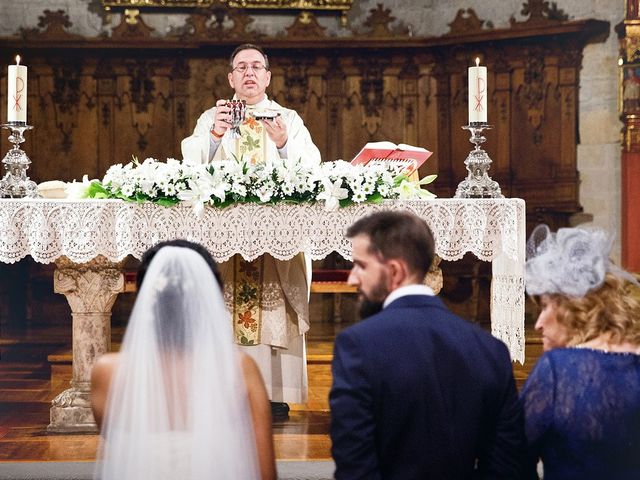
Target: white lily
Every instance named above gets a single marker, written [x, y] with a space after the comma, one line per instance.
[78, 190]
[199, 194]
[265, 193]
[332, 193]
[215, 184]
[408, 190]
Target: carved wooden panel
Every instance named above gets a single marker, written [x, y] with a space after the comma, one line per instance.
[96, 102]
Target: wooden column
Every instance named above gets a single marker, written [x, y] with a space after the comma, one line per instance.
[409, 76]
[501, 118]
[335, 79]
[106, 85]
[629, 34]
[630, 195]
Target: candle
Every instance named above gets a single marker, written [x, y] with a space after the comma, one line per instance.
[17, 93]
[477, 93]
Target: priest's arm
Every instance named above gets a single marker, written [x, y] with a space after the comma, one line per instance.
[202, 146]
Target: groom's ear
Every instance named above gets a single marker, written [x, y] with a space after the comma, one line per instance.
[398, 273]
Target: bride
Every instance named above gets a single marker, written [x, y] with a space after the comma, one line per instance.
[179, 401]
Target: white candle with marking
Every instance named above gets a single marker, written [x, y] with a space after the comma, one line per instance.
[477, 93]
[17, 93]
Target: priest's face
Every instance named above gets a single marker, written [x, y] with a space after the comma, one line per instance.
[249, 76]
[370, 274]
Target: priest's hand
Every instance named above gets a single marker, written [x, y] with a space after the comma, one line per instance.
[277, 131]
[222, 120]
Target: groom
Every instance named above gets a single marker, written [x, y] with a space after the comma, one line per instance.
[417, 391]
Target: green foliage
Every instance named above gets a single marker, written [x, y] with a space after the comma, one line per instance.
[96, 190]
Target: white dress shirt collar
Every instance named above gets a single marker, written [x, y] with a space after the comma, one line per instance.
[407, 290]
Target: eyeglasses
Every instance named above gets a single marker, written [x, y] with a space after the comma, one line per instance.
[243, 67]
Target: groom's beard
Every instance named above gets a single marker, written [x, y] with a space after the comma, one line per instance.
[370, 305]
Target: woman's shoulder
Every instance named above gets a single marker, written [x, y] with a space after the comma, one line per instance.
[107, 360]
[558, 358]
[105, 365]
[561, 364]
[250, 369]
[580, 352]
[552, 363]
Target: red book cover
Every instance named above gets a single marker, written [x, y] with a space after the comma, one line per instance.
[390, 152]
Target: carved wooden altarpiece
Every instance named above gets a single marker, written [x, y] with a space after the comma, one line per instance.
[98, 101]
[95, 102]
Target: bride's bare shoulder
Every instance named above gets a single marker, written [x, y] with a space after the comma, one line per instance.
[105, 365]
[249, 367]
[101, 374]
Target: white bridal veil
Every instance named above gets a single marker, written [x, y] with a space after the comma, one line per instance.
[178, 405]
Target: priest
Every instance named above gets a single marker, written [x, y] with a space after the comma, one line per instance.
[286, 134]
[268, 298]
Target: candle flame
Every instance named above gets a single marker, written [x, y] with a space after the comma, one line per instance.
[17, 59]
[477, 61]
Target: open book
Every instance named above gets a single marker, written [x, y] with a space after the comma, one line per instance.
[401, 154]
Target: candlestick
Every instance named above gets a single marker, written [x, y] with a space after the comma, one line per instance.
[478, 183]
[16, 183]
[17, 93]
[477, 94]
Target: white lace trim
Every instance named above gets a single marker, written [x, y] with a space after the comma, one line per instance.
[82, 229]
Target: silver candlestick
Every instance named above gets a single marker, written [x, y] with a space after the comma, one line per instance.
[15, 183]
[478, 184]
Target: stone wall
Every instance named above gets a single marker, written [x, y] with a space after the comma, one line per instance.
[599, 144]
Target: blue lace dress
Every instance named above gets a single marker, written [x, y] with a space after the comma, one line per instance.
[582, 414]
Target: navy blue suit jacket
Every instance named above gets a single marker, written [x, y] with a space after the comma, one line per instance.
[419, 393]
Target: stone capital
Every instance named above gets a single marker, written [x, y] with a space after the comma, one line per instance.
[90, 287]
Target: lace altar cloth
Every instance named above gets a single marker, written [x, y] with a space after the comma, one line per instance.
[492, 229]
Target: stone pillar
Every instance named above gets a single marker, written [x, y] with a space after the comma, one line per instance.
[91, 289]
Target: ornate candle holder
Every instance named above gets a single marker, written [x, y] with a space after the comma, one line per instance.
[238, 115]
[15, 183]
[478, 184]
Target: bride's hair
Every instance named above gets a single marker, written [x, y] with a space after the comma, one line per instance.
[196, 247]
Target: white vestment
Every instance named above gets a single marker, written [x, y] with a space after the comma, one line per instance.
[200, 147]
[281, 355]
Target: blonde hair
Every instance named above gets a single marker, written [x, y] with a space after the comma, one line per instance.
[611, 309]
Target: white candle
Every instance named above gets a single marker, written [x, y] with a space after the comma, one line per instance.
[477, 93]
[17, 93]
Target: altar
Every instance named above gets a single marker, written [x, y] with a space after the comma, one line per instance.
[89, 240]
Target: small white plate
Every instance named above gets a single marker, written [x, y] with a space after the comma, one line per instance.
[264, 114]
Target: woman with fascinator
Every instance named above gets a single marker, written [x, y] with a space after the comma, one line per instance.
[582, 399]
[179, 401]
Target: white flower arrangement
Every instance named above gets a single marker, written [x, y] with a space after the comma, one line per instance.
[223, 183]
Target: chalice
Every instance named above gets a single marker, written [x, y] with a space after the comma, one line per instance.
[238, 115]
